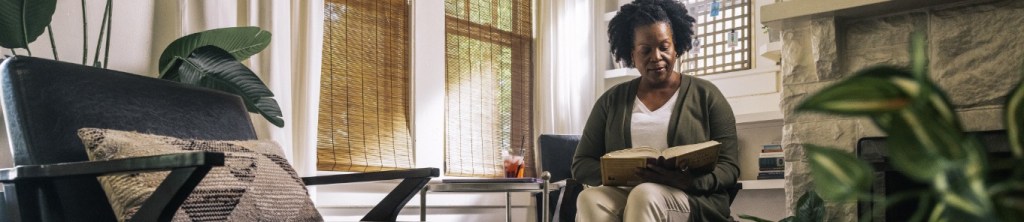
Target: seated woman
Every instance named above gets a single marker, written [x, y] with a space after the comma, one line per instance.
[662, 108]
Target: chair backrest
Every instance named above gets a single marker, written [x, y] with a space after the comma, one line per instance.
[45, 102]
[556, 152]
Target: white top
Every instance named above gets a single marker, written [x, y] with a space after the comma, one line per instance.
[650, 128]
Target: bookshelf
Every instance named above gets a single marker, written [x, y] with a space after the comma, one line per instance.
[763, 184]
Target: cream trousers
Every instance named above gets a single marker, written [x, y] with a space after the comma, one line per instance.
[646, 202]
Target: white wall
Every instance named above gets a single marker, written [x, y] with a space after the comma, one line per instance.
[136, 40]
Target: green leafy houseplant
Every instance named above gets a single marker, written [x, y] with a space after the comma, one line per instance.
[210, 59]
[925, 141]
[809, 208]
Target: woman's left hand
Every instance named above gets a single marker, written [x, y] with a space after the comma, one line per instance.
[674, 178]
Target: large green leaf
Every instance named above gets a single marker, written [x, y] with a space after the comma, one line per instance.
[838, 175]
[22, 21]
[810, 208]
[909, 156]
[962, 201]
[214, 68]
[1009, 200]
[944, 138]
[240, 42]
[869, 92]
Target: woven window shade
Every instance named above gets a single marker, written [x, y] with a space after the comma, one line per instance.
[717, 54]
[489, 85]
[364, 92]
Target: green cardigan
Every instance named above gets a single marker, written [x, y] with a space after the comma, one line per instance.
[700, 114]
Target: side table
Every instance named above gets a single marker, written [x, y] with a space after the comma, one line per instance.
[544, 187]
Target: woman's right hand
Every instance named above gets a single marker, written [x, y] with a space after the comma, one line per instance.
[680, 179]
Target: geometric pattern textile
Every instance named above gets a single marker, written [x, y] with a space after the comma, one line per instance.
[256, 183]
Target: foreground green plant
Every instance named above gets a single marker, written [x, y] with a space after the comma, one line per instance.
[925, 141]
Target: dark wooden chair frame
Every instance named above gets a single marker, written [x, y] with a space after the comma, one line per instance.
[187, 169]
[26, 187]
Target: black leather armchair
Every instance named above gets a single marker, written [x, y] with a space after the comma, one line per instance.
[45, 102]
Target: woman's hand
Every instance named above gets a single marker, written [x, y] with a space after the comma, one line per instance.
[680, 179]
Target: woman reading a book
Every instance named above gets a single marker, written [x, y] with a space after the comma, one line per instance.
[660, 109]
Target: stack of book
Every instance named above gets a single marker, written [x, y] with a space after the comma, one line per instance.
[770, 162]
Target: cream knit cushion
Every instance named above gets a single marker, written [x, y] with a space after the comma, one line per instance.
[256, 183]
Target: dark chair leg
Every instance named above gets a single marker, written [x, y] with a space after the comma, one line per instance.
[11, 212]
[171, 193]
[38, 194]
[392, 204]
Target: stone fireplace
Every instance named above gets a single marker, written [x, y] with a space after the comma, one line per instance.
[975, 49]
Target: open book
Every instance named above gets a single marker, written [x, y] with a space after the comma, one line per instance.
[618, 167]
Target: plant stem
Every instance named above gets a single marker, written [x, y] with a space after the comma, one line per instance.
[29, 51]
[13, 53]
[110, 22]
[85, 36]
[99, 40]
[52, 44]
[922, 205]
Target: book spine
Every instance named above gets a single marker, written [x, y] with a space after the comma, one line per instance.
[771, 174]
[771, 148]
[771, 163]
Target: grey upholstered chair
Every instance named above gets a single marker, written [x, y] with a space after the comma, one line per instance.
[556, 152]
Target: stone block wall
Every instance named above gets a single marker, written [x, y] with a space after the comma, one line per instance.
[976, 52]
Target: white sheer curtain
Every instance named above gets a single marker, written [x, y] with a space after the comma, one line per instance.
[565, 84]
[290, 66]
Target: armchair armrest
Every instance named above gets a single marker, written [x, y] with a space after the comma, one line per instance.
[187, 170]
[413, 181]
[97, 168]
[372, 176]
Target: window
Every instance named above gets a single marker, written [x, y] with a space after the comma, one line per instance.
[723, 40]
[365, 87]
[488, 85]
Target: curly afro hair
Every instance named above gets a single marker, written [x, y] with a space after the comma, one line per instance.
[645, 12]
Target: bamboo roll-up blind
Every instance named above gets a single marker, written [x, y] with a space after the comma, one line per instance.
[489, 84]
[364, 92]
[725, 39]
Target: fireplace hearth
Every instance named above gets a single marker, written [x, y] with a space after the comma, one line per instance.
[888, 181]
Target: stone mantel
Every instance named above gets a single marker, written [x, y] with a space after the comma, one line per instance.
[776, 14]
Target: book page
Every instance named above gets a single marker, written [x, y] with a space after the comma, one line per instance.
[684, 149]
[634, 152]
[621, 171]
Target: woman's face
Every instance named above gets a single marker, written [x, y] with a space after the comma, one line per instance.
[654, 51]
